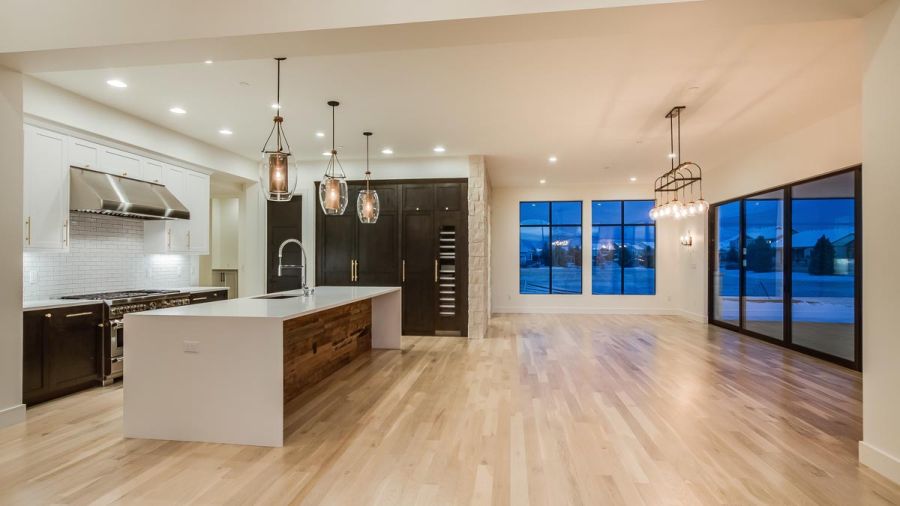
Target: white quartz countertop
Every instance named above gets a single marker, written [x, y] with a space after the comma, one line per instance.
[198, 289]
[324, 297]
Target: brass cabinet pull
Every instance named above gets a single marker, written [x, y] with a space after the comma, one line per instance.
[169, 238]
[73, 315]
[48, 315]
[403, 271]
[189, 239]
[66, 232]
[199, 298]
[435, 270]
[28, 230]
[101, 325]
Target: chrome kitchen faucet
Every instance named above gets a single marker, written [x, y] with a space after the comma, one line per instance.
[306, 289]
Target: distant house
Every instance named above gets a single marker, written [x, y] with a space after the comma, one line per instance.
[843, 239]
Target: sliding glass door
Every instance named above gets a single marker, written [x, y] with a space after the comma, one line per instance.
[726, 259]
[823, 302]
[784, 266]
[762, 299]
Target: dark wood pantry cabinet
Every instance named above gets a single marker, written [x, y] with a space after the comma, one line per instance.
[419, 242]
[61, 351]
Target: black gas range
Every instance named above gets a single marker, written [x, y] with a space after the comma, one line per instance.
[116, 306]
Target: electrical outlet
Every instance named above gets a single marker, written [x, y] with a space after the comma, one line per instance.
[192, 346]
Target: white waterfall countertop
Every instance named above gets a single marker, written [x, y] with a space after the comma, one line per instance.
[282, 305]
[225, 371]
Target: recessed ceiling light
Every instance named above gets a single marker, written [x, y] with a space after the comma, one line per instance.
[387, 151]
[439, 149]
[117, 83]
[543, 181]
[326, 153]
[177, 110]
[552, 159]
[276, 106]
[672, 155]
[320, 134]
[225, 131]
[208, 62]
[632, 179]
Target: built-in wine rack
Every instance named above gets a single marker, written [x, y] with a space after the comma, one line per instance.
[446, 271]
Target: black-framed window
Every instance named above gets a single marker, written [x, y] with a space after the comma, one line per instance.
[785, 266]
[623, 248]
[550, 247]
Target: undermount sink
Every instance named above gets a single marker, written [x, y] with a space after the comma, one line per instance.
[277, 297]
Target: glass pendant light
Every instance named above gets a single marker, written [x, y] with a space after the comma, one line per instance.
[367, 205]
[277, 170]
[333, 188]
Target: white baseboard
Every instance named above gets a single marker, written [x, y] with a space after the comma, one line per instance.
[583, 310]
[12, 415]
[696, 317]
[882, 462]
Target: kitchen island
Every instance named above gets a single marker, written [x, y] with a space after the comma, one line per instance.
[223, 372]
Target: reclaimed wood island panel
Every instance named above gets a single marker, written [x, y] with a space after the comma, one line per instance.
[319, 344]
[223, 372]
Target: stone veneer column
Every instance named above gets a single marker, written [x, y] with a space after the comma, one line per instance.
[479, 248]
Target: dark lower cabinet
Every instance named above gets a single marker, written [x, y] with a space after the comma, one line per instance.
[419, 243]
[61, 351]
[201, 297]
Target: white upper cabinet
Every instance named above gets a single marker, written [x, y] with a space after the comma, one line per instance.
[151, 170]
[182, 236]
[197, 202]
[46, 190]
[48, 156]
[120, 163]
[84, 154]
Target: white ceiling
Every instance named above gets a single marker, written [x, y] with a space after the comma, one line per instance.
[590, 87]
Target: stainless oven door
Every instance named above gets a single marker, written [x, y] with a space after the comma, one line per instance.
[116, 347]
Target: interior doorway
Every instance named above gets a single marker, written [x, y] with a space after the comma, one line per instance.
[284, 220]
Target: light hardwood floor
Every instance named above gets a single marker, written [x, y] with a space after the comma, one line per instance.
[550, 409]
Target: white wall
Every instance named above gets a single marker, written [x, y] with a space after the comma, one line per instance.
[830, 144]
[225, 223]
[505, 296]
[880, 448]
[11, 162]
[103, 124]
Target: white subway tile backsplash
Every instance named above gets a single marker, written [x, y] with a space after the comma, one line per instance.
[105, 253]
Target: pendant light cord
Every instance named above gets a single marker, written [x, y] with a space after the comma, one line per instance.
[368, 174]
[277, 129]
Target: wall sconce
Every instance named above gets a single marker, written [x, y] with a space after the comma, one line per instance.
[687, 240]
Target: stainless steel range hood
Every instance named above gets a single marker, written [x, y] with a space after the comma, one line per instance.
[101, 193]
